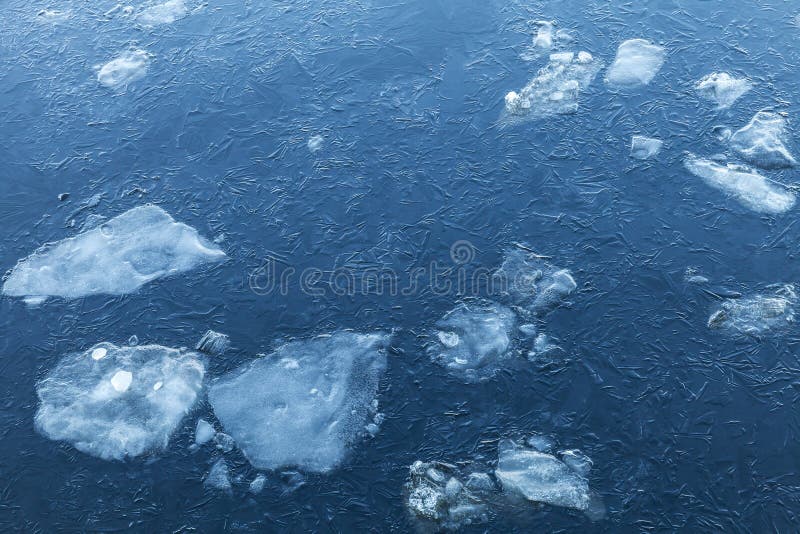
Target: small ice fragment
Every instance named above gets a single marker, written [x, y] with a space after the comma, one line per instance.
[213, 343]
[723, 88]
[645, 147]
[758, 313]
[540, 443]
[257, 485]
[99, 353]
[577, 461]
[453, 488]
[121, 381]
[315, 143]
[528, 329]
[219, 477]
[133, 341]
[165, 13]
[124, 69]
[534, 283]
[544, 35]
[203, 432]
[442, 499]
[762, 142]
[448, 339]
[479, 483]
[636, 63]
[158, 385]
[224, 442]
[372, 429]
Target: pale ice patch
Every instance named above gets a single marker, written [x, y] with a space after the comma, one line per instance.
[108, 407]
[756, 314]
[534, 283]
[165, 13]
[544, 34]
[218, 477]
[722, 88]
[473, 339]
[636, 63]
[124, 69]
[115, 258]
[305, 404]
[645, 147]
[213, 343]
[438, 495]
[555, 89]
[762, 142]
[745, 185]
[203, 432]
[315, 143]
[257, 485]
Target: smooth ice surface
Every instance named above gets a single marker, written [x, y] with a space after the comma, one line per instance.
[722, 88]
[745, 185]
[762, 142]
[645, 147]
[124, 69]
[115, 258]
[757, 314]
[437, 494]
[540, 477]
[109, 408]
[304, 404]
[473, 339]
[636, 63]
[534, 283]
[164, 13]
[555, 89]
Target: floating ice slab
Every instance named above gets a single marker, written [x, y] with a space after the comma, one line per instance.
[757, 314]
[540, 477]
[124, 69]
[762, 142]
[722, 88]
[165, 13]
[745, 185]
[534, 283]
[115, 258]
[636, 63]
[108, 407]
[645, 147]
[436, 494]
[306, 403]
[555, 89]
[473, 339]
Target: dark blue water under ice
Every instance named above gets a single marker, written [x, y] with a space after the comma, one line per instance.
[689, 428]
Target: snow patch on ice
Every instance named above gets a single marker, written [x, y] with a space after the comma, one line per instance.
[124, 69]
[722, 88]
[636, 63]
[165, 13]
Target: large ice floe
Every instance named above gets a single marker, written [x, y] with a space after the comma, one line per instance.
[722, 88]
[756, 314]
[164, 13]
[304, 404]
[124, 69]
[555, 89]
[745, 185]
[762, 142]
[473, 339]
[114, 258]
[636, 63]
[116, 402]
[532, 282]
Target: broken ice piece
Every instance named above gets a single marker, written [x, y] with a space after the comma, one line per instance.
[165, 13]
[762, 142]
[534, 283]
[121, 380]
[213, 343]
[435, 494]
[124, 69]
[645, 147]
[757, 314]
[218, 477]
[315, 143]
[257, 485]
[636, 63]
[723, 88]
[203, 432]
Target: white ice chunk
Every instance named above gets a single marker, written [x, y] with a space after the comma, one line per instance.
[745, 185]
[534, 283]
[577, 461]
[130, 250]
[203, 432]
[315, 143]
[757, 314]
[544, 34]
[219, 477]
[98, 407]
[99, 353]
[437, 496]
[645, 147]
[762, 142]
[257, 485]
[722, 88]
[213, 343]
[636, 63]
[165, 13]
[267, 408]
[483, 331]
[124, 69]
[540, 477]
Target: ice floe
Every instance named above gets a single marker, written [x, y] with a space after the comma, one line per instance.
[438, 495]
[218, 477]
[304, 404]
[104, 401]
[115, 258]
[762, 142]
[756, 314]
[124, 69]
[315, 143]
[722, 88]
[636, 63]
[533, 283]
[213, 343]
[164, 13]
[203, 432]
[745, 185]
[645, 147]
[473, 339]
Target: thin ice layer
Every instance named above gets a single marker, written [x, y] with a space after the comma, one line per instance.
[757, 314]
[745, 185]
[304, 404]
[124, 69]
[722, 88]
[115, 402]
[636, 63]
[534, 283]
[762, 142]
[115, 258]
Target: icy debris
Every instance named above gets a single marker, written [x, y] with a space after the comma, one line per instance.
[130, 250]
[213, 343]
[306, 403]
[540, 477]
[528, 329]
[224, 442]
[542, 347]
[315, 143]
[636, 63]
[165, 13]
[757, 314]
[203, 432]
[723, 88]
[257, 485]
[555, 89]
[747, 186]
[762, 142]
[124, 69]
[107, 406]
[436, 494]
[533, 283]
[645, 147]
[544, 34]
[473, 338]
[219, 477]
[540, 443]
[577, 461]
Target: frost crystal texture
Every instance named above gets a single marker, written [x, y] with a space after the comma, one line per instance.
[115, 258]
[304, 404]
[762, 142]
[747, 186]
[722, 88]
[636, 63]
[757, 314]
[124, 69]
[109, 407]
